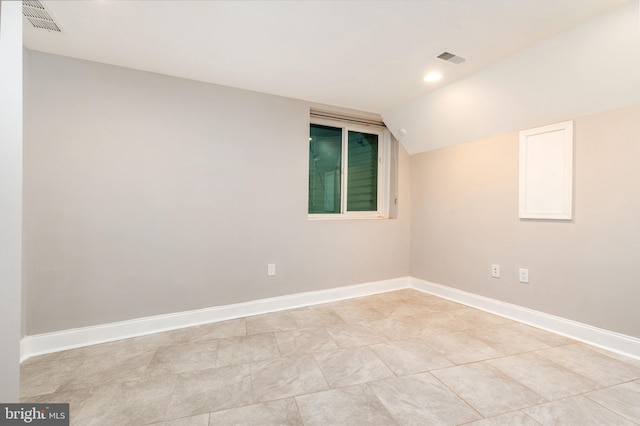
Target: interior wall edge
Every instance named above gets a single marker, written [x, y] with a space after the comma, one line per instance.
[11, 205]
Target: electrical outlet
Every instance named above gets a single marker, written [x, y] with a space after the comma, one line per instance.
[271, 269]
[495, 271]
[524, 275]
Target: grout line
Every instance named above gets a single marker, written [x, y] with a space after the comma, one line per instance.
[459, 396]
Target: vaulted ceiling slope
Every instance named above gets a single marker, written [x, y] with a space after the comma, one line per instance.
[372, 55]
[591, 68]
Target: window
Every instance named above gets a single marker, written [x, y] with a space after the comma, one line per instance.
[348, 172]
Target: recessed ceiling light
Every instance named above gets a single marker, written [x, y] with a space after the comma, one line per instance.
[432, 77]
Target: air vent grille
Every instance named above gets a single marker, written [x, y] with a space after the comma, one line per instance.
[35, 13]
[451, 58]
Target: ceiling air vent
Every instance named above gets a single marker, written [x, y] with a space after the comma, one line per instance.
[451, 58]
[35, 13]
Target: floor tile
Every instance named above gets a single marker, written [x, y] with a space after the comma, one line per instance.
[460, 348]
[286, 377]
[543, 336]
[546, 378]
[576, 410]
[356, 334]
[199, 420]
[151, 342]
[507, 340]
[240, 350]
[401, 328]
[422, 400]
[415, 296]
[401, 357]
[355, 312]
[274, 413]
[41, 358]
[387, 297]
[347, 367]
[218, 330]
[401, 308]
[315, 316]
[46, 376]
[275, 321]
[434, 303]
[127, 403]
[354, 405]
[209, 390]
[409, 357]
[516, 418]
[108, 368]
[184, 357]
[487, 389]
[113, 349]
[75, 398]
[620, 357]
[594, 365]
[303, 341]
[480, 318]
[443, 322]
[98, 403]
[623, 399]
[368, 301]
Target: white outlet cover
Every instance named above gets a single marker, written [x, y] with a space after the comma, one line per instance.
[495, 271]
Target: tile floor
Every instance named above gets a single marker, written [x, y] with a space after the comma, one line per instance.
[398, 358]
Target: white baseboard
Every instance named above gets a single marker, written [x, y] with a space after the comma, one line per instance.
[74, 338]
[609, 340]
[68, 339]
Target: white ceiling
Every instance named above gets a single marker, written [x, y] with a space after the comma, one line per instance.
[365, 55]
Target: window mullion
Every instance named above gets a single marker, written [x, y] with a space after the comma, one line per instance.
[345, 170]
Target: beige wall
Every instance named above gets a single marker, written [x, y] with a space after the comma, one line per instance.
[146, 194]
[464, 210]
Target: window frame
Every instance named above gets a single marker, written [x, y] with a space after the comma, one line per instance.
[383, 178]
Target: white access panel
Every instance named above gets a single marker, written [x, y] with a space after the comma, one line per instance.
[546, 172]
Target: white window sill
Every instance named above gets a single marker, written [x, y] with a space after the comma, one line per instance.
[343, 217]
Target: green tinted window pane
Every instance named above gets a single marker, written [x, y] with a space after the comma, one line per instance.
[362, 180]
[325, 163]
